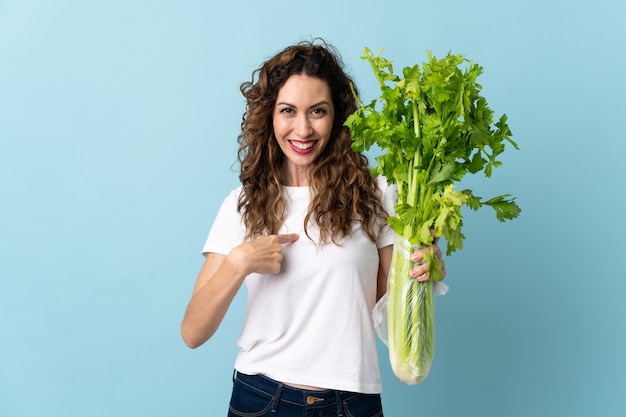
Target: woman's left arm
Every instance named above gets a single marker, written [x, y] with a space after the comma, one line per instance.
[384, 262]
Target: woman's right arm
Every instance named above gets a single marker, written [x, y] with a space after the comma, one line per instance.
[219, 280]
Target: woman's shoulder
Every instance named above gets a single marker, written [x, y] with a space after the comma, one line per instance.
[236, 192]
[384, 185]
[231, 197]
[388, 193]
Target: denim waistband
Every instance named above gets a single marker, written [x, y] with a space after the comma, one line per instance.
[297, 396]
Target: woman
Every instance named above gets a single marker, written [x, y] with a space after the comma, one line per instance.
[306, 232]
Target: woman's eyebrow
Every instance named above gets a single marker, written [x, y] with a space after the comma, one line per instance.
[323, 102]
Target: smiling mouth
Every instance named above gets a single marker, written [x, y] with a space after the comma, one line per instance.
[302, 147]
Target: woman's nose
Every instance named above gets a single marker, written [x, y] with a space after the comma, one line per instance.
[303, 126]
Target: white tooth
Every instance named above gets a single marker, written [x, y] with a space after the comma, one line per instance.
[302, 146]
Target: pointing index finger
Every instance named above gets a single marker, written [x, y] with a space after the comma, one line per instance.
[288, 238]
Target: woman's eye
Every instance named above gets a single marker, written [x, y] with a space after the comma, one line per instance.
[286, 110]
[319, 112]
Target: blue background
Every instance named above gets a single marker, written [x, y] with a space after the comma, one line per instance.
[118, 122]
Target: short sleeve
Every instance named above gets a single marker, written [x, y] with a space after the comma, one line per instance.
[227, 230]
[389, 199]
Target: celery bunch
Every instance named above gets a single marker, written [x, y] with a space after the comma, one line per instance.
[433, 127]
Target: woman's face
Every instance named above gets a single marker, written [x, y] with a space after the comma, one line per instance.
[303, 120]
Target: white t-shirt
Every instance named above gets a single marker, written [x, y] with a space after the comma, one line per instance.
[310, 324]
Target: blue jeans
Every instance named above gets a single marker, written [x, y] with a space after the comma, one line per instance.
[258, 396]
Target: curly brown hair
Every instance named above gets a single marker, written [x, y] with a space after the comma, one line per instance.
[342, 187]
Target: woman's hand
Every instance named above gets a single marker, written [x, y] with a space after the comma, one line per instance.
[262, 255]
[420, 272]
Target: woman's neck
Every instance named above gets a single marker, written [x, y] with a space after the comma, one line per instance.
[295, 176]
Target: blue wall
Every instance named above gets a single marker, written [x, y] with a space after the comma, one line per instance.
[118, 122]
